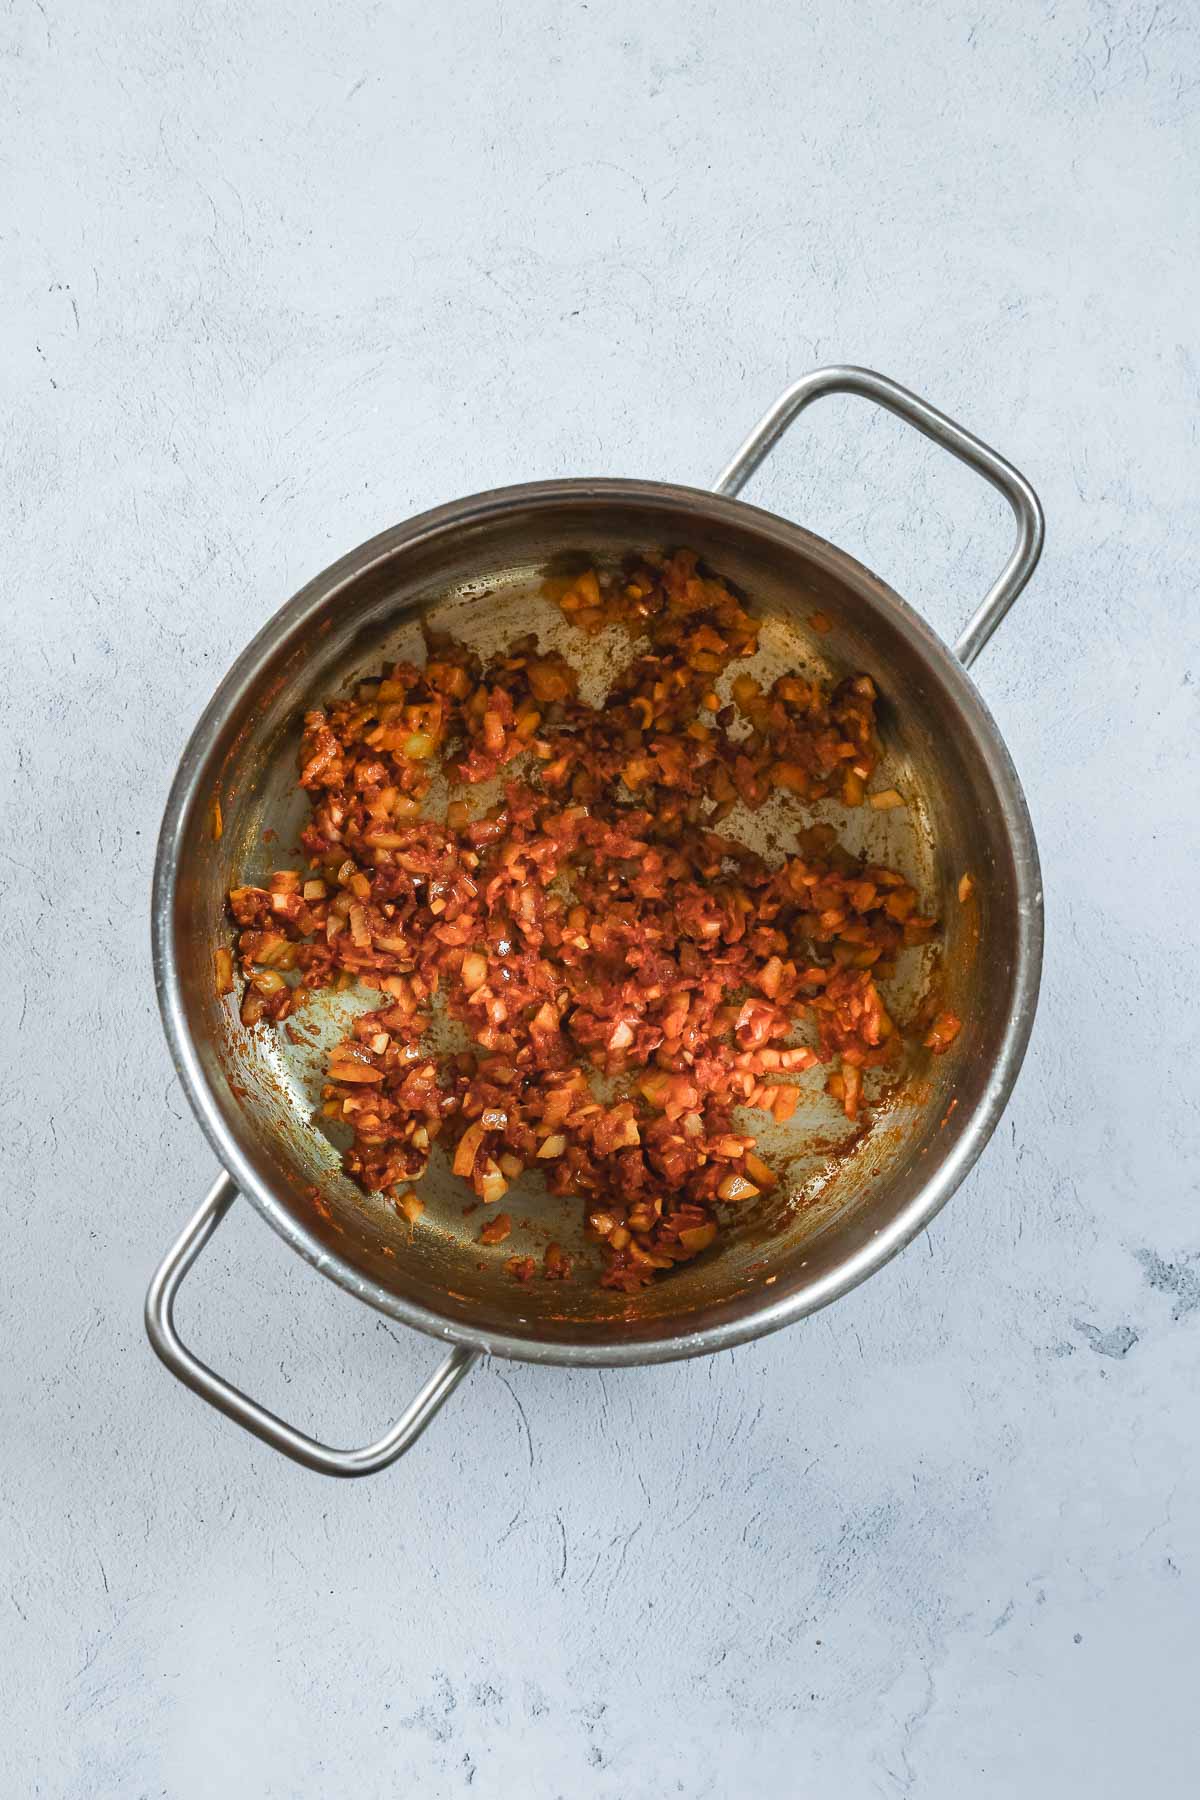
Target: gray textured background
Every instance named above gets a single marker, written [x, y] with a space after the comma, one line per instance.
[276, 276]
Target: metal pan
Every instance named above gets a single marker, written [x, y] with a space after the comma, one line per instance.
[476, 568]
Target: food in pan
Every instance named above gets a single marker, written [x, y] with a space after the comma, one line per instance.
[630, 983]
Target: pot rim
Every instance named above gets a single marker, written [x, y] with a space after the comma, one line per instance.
[974, 1130]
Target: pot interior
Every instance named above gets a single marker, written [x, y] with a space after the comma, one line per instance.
[848, 1196]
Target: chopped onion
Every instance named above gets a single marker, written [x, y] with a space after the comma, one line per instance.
[468, 1146]
[569, 935]
[492, 1185]
[474, 971]
[354, 1072]
[760, 1173]
[736, 1187]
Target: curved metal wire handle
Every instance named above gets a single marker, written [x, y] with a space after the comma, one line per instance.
[160, 1327]
[932, 424]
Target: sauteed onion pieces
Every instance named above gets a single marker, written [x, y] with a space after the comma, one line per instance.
[625, 972]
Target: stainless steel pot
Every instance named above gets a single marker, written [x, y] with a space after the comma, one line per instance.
[477, 565]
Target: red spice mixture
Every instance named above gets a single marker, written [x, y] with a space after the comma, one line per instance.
[596, 921]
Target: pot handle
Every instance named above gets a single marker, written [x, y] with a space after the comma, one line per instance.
[160, 1327]
[932, 424]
